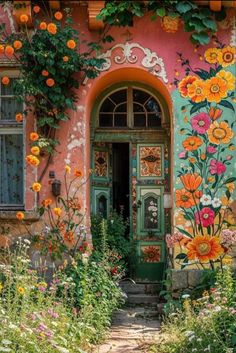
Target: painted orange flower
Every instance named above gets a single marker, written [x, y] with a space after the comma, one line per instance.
[71, 44]
[43, 26]
[204, 248]
[36, 187]
[20, 216]
[24, 18]
[57, 211]
[19, 117]
[58, 15]
[47, 202]
[215, 89]
[212, 55]
[5, 80]
[215, 113]
[229, 79]
[34, 136]
[78, 173]
[52, 28]
[32, 160]
[65, 58]
[196, 91]
[9, 50]
[17, 44]
[45, 73]
[220, 133]
[50, 82]
[191, 181]
[192, 143]
[184, 198]
[184, 84]
[36, 9]
[35, 150]
[227, 56]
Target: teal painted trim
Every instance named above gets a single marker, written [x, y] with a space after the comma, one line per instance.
[98, 192]
[102, 149]
[162, 161]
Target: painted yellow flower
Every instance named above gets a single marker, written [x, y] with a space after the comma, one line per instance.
[211, 55]
[227, 56]
[21, 290]
[196, 91]
[184, 84]
[220, 133]
[67, 169]
[229, 79]
[215, 89]
[230, 187]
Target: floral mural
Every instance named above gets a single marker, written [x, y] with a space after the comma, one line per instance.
[204, 178]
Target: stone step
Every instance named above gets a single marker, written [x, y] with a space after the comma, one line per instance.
[140, 288]
[137, 299]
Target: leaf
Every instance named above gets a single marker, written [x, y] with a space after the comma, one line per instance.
[230, 180]
[183, 6]
[188, 216]
[228, 194]
[181, 256]
[184, 232]
[198, 106]
[201, 37]
[209, 23]
[202, 73]
[161, 12]
[197, 24]
[227, 104]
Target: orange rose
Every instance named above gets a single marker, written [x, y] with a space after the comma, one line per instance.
[36, 9]
[9, 50]
[35, 150]
[50, 82]
[24, 18]
[5, 80]
[36, 187]
[17, 44]
[57, 211]
[43, 26]
[65, 58]
[20, 216]
[34, 136]
[19, 117]
[47, 202]
[58, 15]
[52, 28]
[32, 160]
[71, 44]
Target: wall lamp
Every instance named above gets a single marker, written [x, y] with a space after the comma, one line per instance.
[56, 184]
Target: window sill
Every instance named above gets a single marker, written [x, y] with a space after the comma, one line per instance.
[30, 216]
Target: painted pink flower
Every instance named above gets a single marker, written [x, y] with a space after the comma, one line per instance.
[205, 217]
[211, 149]
[183, 155]
[229, 157]
[200, 123]
[217, 167]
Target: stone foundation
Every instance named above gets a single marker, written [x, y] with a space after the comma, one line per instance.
[184, 280]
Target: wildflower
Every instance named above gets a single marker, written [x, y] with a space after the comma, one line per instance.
[5, 80]
[43, 26]
[45, 73]
[52, 28]
[42, 286]
[36, 187]
[67, 169]
[58, 15]
[34, 136]
[20, 216]
[71, 44]
[65, 58]
[35, 150]
[78, 173]
[21, 290]
[17, 44]
[24, 18]
[19, 117]
[50, 82]
[36, 9]
[57, 211]
[47, 202]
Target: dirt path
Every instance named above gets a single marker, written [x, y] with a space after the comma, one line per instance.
[131, 330]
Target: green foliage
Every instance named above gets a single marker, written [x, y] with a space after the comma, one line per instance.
[197, 19]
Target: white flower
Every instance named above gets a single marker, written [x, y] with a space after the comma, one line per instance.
[217, 308]
[185, 296]
[216, 202]
[205, 200]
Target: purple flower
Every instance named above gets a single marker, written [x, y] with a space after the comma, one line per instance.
[183, 155]
[200, 123]
[211, 149]
[217, 167]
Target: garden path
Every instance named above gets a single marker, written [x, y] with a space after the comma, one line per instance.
[132, 331]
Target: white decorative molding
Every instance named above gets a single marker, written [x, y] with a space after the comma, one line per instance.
[151, 61]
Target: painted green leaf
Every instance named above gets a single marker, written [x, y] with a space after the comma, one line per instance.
[184, 232]
[197, 24]
[198, 106]
[161, 12]
[201, 37]
[202, 73]
[183, 6]
[181, 256]
[188, 216]
[230, 180]
[209, 23]
[227, 104]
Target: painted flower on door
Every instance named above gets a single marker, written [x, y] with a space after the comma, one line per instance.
[101, 164]
[205, 182]
[151, 253]
[150, 161]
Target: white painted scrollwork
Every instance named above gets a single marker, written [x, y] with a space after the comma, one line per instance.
[151, 61]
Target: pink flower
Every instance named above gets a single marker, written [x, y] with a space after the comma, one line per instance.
[229, 157]
[217, 167]
[205, 217]
[211, 149]
[171, 240]
[201, 122]
[182, 155]
[228, 237]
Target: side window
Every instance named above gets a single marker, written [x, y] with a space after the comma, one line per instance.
[11, 150]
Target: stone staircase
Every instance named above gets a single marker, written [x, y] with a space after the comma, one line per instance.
[141, 293]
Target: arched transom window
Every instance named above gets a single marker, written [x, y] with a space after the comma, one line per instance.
[130, 107]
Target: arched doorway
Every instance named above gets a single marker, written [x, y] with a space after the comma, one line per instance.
[130, 145]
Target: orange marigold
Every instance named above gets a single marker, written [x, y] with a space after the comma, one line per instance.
[34, 136]
[43, 26]
[192, 143]
[17, 44]
[36, 187]
[19, 117]
[71, 44]
[20, 216]
[191, 181]
[32, 160]
[58, 15]
[227, 56]
[35, 150]
[204, 248]
[45, 73]
[184, 198]
[215, 89]
[24, 18]
[5, 80]
[9, 50]
[184, 84]
[36, 9]
[212, 55]
[196, 91]
[50, 82]
[65, 58]
[47, 202]
[52, 28]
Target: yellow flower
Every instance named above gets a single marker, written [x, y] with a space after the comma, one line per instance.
[231, 148]
[57, 211]
[227, 260]
[220, 133]
[211, 179]
[21, 290]
[215, 89]
[36, 187]
[35, 150]
[20, 216]
[228, 77]
[230, 187]
[227, 56]
[212, 55]
[1, 287]
[32, 160]
[67, 169]
[196, 91]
